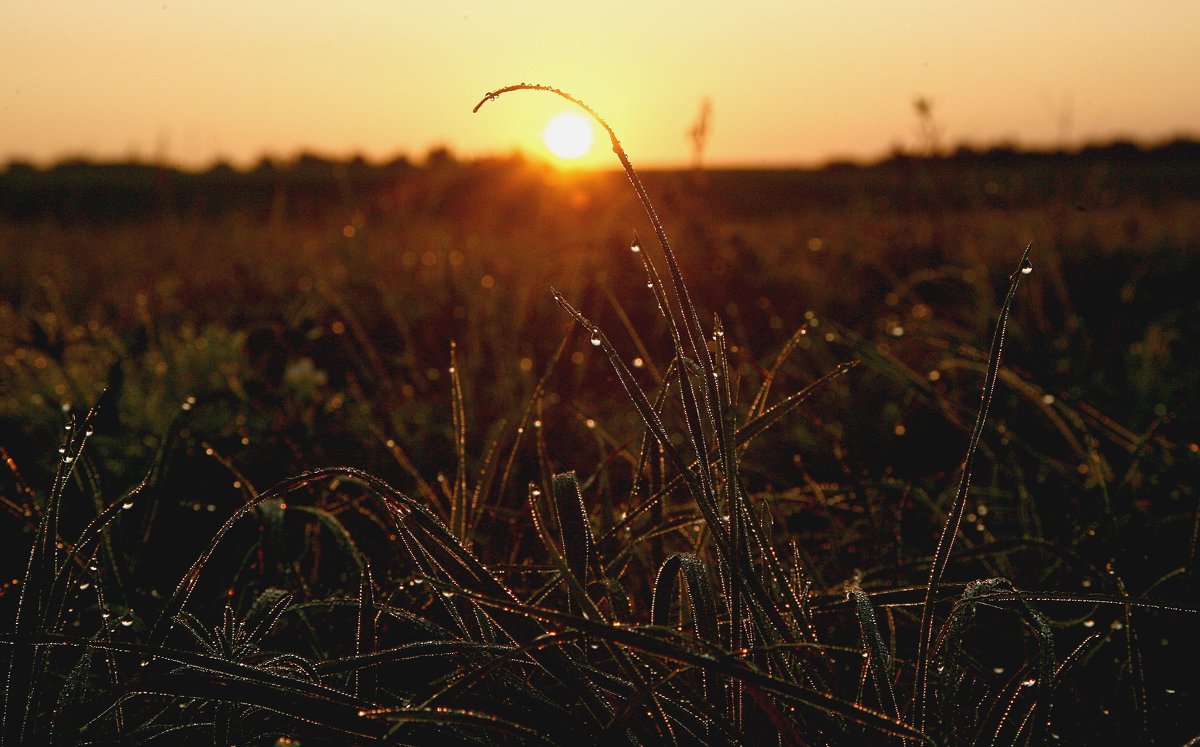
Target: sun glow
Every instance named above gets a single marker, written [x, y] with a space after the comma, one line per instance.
[568, 135]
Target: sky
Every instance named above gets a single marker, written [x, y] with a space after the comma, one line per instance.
[189, 82]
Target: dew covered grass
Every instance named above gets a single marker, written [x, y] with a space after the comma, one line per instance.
[474, 453]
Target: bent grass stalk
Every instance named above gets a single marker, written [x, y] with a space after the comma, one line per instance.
[706, 413]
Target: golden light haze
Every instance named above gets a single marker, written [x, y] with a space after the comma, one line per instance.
[191, 81]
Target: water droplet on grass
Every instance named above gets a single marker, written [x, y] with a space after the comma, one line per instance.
[1026, 267]
[127, 504]
[596, 339]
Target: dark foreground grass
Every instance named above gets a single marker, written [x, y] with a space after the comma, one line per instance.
[708, 557]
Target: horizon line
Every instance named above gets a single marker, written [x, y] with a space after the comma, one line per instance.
[441, 154]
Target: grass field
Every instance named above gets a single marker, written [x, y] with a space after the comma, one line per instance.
[326, 493]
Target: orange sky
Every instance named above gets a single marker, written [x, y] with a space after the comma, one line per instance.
[790, 82]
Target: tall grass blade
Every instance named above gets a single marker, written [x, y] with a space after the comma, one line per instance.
[941, 556]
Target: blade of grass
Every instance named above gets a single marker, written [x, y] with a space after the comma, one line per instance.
[941, 556]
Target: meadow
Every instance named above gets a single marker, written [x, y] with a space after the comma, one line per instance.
[338, 467]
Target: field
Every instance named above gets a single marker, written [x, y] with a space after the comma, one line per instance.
[205, 571]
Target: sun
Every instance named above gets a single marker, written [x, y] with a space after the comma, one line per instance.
[568, 135]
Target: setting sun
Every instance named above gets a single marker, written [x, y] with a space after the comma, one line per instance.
[568, 135]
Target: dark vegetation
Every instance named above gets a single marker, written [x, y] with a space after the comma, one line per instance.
[502, 551]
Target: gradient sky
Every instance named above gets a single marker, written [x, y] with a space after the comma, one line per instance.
[190, 81]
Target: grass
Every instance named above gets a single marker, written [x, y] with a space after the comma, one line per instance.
[636, 522]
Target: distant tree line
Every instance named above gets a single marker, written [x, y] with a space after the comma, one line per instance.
[1000, 176]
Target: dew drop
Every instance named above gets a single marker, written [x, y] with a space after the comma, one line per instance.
[1029, 682]
[635, 248]
[105, 614]
[93, 567]
[536, 493]
[448, 594]
[67, 459]
[596, 339]
[998, 670]
[126, 621]
[590, 423]
[62, 449]
[89, 431]
[84, 585]
[127, 504]
[638, 363]
[1089, 623]
[1026, 267]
